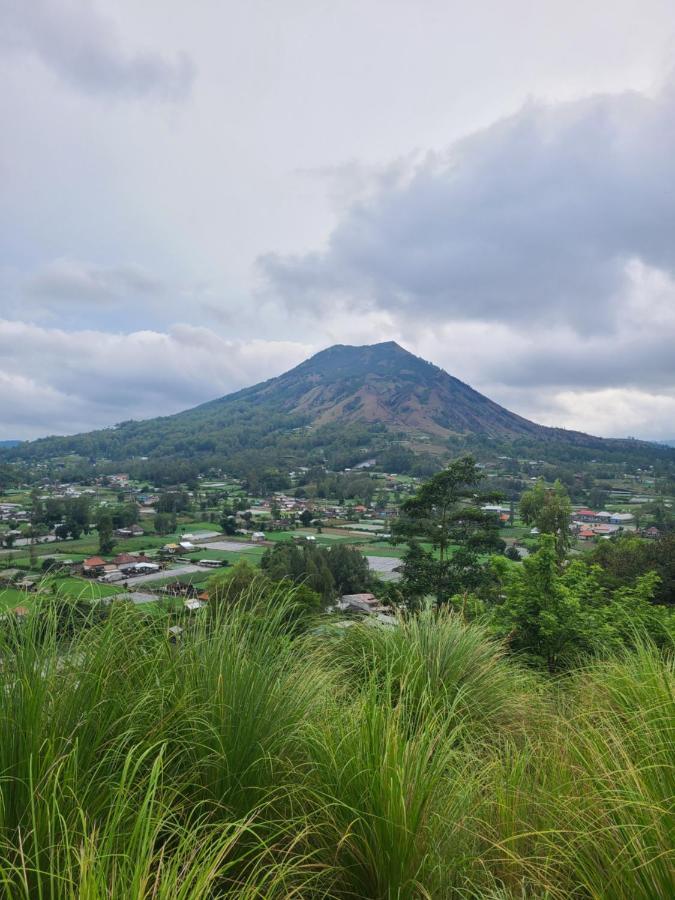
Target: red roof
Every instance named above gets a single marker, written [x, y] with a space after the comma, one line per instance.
[124, 558]
[584, 512]
[93, 562]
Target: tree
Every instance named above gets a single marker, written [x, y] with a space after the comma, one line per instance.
[446, 513]
[550, 616]
[241, 582]
[549, 510]
[228, 521]
[627, 557]
[105, 532]
[165, 523]
[306, 517]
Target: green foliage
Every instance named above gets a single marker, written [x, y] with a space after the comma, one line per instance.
[104, 527]
[549, 509]
[446, 513]
[552, 616]
[332, 571]
[165, 522]
[626, 557]
[242, 761]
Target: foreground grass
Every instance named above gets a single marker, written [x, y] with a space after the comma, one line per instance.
[247, 761]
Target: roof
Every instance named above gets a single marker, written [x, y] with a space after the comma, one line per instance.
[94, 561]
[125, 558]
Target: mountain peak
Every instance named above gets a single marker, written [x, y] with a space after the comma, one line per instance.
[349, 361]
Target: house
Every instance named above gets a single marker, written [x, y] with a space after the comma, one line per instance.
[584, 515]
[131, 531]
[7, 576]
[257, 537]
[586, 534]
[26, 584]
[363, 603]
[139, 567]
[94, 566]
[652, 532]
[171, 549]
[123, 558]
[181, 589]
[622, 518]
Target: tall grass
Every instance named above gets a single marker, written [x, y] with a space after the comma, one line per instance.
[247, 761]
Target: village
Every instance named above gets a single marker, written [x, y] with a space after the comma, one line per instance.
[164, 544]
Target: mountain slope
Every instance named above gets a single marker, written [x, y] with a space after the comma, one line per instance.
[384, 384]
[328, 410]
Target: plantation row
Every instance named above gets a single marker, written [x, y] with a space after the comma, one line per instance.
[247, 760]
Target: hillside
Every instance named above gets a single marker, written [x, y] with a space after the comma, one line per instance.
[331, 409]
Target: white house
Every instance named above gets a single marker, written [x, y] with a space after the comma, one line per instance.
[622, 519]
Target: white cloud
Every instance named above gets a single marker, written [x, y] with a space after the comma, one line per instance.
[53, 381]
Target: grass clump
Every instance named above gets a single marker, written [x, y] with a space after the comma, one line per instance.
[251, 758]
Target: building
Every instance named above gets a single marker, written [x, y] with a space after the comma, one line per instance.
[94, 566]
[622, 519]
[362, 603]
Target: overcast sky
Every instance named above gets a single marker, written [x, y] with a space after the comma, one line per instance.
[197, 196]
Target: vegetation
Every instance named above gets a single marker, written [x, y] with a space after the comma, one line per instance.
[446, 513]
[423, 417]
[240, 759]
[549, 510]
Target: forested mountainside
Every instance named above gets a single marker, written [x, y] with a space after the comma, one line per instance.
[333, 409]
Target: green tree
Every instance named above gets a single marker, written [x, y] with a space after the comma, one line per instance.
[549, 510]
[550, 615]
[104, 527]
[445, 513]
[165, 522]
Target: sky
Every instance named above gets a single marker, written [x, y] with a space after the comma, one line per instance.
[197, 196]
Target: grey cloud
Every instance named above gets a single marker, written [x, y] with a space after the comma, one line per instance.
[83, 49]
[641, 363]
[74, 280]
[535, 219]
[73, 381]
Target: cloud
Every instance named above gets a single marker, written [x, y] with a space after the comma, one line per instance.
[84, 50]
[54, 381]
[76, 281]
[537, 219]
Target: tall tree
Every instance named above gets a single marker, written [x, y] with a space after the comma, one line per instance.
[549, 510]
[105, 533]
[446, 514]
